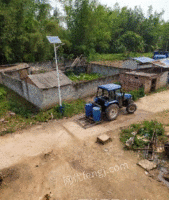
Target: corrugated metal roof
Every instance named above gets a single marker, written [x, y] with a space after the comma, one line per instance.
[144, 59]
[129, 64]
[162, 63]
[166, 61]
[49, 79]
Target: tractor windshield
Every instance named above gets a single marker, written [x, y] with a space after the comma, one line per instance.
[118, 91]
[102, 93]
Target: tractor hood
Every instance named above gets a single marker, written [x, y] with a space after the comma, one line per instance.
[127, 96]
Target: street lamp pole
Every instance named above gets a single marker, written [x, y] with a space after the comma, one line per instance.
[55, 40]
[57, 70]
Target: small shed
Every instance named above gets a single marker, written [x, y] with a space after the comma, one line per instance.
[136, 79]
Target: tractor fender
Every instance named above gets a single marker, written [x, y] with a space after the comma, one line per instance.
[107, 104]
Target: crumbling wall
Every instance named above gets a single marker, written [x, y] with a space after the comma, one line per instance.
[162, 80]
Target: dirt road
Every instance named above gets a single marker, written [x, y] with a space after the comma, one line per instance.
[38, 161]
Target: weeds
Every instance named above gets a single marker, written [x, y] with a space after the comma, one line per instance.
[2, 93]
[83, 76]
[145, 130]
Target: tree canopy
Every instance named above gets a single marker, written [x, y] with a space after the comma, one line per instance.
[90, 28]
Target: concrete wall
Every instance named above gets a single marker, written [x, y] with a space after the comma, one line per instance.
[74, 91]
[106, 70]
[13, 74]
[27, 91]
[47, 98]
[13, 84]
[35, 95]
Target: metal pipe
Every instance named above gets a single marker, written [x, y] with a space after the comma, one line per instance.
[60, 101]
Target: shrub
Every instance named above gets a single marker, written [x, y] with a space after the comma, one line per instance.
[136, 94]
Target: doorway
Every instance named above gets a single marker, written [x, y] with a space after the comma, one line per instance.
[153, 84]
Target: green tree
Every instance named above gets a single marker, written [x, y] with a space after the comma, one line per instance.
[24, 25]
[132, 42]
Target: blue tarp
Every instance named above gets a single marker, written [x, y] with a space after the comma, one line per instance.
[110, 87]
[144, 59]
[159, 56]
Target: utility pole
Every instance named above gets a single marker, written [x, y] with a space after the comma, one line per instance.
[55, 40]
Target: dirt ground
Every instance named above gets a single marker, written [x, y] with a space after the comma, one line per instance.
[60, 160]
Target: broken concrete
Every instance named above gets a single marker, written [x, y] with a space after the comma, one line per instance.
[12, 113]
[147, 165]
[103, 139]
[130, 142]
[2, 120]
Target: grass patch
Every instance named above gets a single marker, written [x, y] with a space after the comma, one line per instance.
[83, 76]
[119, 56]
[144, 130]
[27, 114]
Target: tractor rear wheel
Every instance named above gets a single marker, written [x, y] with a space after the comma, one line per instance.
[131, 108]
[112, 112]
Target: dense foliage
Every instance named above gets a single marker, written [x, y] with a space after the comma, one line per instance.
[90, 28]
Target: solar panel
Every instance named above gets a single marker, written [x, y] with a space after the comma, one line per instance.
[144, 59]
[53, 39]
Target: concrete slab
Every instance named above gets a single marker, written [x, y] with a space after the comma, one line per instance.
[147, 165]
[103, 139]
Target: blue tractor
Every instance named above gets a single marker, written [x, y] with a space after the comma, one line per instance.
[109, 99]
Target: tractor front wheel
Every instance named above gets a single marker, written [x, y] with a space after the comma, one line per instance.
[131, 108]
[112, 112]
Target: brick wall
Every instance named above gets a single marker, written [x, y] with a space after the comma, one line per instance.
[129, 82]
